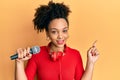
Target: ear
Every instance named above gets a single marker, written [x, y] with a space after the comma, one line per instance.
[47, 36]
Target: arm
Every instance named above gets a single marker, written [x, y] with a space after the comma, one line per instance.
[92, 56]
[19, 71]
[88, 71]
[19, 64]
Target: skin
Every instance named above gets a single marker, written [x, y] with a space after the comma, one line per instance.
[92, 57]
[58, 35]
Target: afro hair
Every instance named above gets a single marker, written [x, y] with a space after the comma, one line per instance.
[45, 13]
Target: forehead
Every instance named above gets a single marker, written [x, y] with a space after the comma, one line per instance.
[59, 23]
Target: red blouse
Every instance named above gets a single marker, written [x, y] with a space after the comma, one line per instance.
[69, 67]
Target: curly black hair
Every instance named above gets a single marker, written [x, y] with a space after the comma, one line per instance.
[45, 13]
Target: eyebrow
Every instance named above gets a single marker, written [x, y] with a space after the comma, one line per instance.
[63, 28]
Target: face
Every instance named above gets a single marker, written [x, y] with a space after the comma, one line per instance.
[58, 32]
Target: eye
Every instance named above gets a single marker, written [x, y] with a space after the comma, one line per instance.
[53, 32]
[65, 30]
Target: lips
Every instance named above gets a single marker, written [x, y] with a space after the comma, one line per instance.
[60, 42]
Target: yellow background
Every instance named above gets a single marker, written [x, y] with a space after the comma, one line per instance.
[90, 20]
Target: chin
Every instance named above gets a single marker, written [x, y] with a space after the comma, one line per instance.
[60, 45]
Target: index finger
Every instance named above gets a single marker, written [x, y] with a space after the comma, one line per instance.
[94, 44]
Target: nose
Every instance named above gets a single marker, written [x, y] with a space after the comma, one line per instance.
[60, 35]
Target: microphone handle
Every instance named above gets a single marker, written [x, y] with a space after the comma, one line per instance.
[15, 56]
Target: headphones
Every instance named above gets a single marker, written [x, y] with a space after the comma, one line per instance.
[55, 56]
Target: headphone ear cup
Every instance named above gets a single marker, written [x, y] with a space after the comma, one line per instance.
[56, 55]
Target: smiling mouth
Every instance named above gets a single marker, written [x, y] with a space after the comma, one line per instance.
[60, 42]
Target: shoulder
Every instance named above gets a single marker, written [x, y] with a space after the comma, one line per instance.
[75, 54]
[40, 55]
[73, 50]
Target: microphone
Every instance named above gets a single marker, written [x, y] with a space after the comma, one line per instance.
[33, 50]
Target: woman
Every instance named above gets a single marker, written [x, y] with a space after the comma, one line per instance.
[56, 61]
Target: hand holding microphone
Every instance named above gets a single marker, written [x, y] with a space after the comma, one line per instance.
[25, 54]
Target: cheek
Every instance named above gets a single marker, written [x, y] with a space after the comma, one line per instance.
[53, 37]
[66, 36]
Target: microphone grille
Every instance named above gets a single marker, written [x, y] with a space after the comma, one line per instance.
[35, 49]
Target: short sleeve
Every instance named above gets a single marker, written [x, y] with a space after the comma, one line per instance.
[79, 68]
[31, 68]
